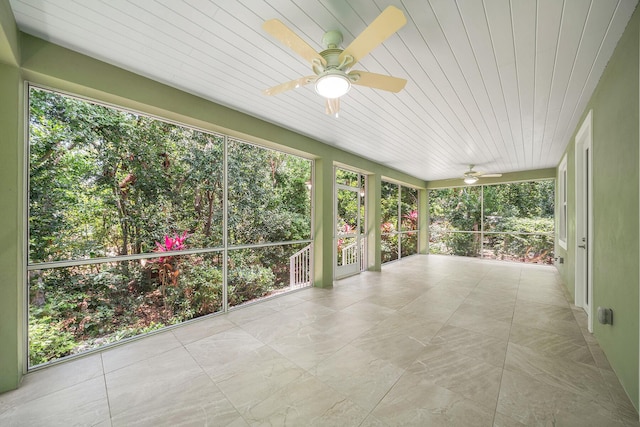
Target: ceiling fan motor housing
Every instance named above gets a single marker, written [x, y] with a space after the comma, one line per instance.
[332, 39]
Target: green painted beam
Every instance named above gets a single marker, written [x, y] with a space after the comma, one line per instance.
[530, 175]
[9, 41]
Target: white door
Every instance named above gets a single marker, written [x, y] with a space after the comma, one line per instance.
[584, 220]
[348, 236]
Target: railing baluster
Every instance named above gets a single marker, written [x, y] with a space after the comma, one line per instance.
[300, 267]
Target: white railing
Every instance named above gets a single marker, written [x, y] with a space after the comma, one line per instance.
[300, 268]
[350, 253]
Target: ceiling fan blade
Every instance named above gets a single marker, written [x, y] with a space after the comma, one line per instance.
[293, 84]
[293, 41]
[332, 106]
[388, 22]
[378, 81]
[491, 175]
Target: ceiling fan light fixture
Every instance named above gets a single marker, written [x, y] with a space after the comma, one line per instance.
[332, 84]
[470, 179]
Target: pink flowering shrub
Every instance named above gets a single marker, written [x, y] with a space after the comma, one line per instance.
[412, 219]
[175, 243]
[167, 270]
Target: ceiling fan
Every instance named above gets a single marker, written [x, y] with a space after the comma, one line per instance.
[471, 176]
[332, 67]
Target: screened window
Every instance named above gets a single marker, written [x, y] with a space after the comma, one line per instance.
[400, 223]
[128, 219]
[512, 221]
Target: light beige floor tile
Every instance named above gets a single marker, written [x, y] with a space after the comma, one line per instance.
[400, 348]
[81, 404]
[254, 377]
[51, 379]
[464, 282]
[469, 317]
[501, 284]
[497, 315]
[372, 421]
[168, 389]
[284, 302]
[532, 402]
[576, 378]
[339, 300]
[598, 355]
[446, 296]
[625, 408]
[368, 311]
[393, 302]
[415, 327]
[311, 293]
[308, 346]
[501, 420]
[136, 384]
[424, 342]
[199, 329]
[276, 326]
[307, 401]
[550, 344]
[254, 311]
[489, 349]
[416, 401]
[546, 311]
[551, 318]
[544, 296]
[345, 326]
[359, 375]
[138, 350]
[308, 311]
[225, 347]
[196, 402]
[467, 376]
[424, 308]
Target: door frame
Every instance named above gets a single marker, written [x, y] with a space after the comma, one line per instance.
[584, 218]
[340, 272]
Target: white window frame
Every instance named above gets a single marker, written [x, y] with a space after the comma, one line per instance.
[562, 203]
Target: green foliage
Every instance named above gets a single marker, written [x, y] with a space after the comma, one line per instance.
[526, 247]
[389, 247]
[105, 182]
[47, 341]
[394, 197]
[204, 288]
[249, 282]
[524, 210]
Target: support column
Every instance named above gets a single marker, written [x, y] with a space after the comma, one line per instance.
[12, 230]
[423, 221]
[373, 222]
[323, 224]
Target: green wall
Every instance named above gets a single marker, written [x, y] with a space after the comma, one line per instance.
[615, 207]
[27, 58]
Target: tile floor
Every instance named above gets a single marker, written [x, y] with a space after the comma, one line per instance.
[432, 340]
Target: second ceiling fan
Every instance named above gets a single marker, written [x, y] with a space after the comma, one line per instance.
[332, 67]
[471, 176]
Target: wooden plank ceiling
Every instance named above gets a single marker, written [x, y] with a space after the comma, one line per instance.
[497, 83]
